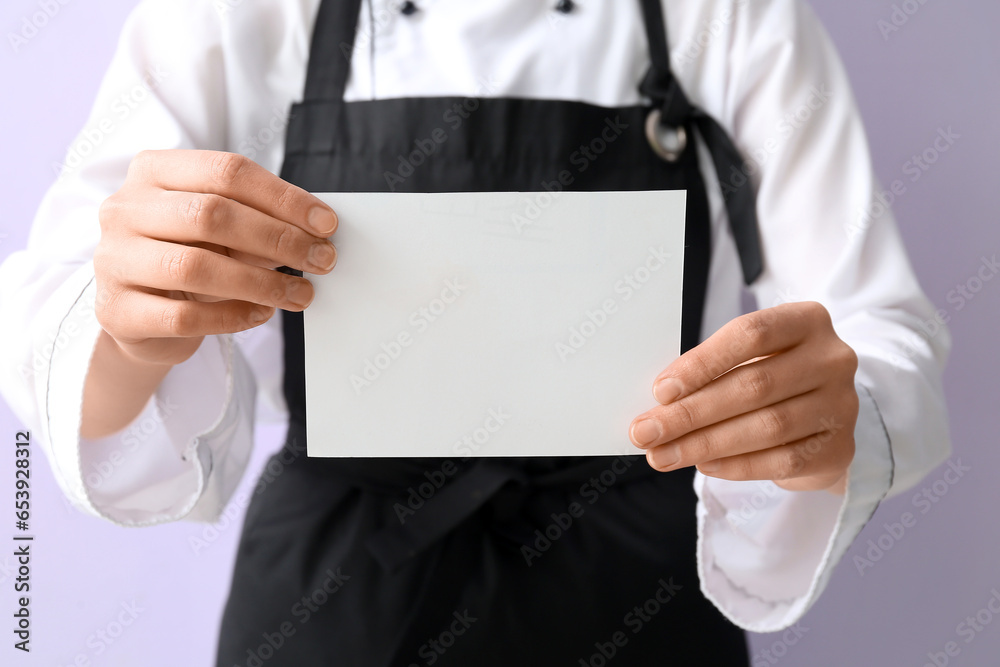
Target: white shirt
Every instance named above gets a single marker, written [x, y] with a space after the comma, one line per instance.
[222, 75]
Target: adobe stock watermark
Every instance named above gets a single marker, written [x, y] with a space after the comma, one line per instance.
[691, 48]
[136, 434]
[32, 24]
[7, 570]
[253, 145]
[757, 501]
[914, 168]
[581, 159]
[58, 340]
[435, 647]
[804, 453]
[302, 611]
[784, 295]
[465, 447]
[794, 120]
[42, 353]
[101, 640]
[275, 467]
[225, 7]
[381, 16]
[424, 148]
[967, 291]
[634, 621]
[963, 293]
[779, 647]
[923, 501]
[419, 321]
[624, 289]
[971, 627]
[591, 491]
[97, 131]
[82, 319]
[899, 16]
[556, 18]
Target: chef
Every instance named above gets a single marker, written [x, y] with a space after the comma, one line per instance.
[766, 447]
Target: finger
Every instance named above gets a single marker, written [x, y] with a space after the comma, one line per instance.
[770, 426]
[134, 316]
[170, 266]
[746, 388]
[186, 217]
[756, 334]
[821, 459]
[236, 177]
[244, 257]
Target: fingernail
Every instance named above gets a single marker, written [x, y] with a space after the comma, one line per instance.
[665, 457]
[259, 316]
[646, 432]
[666, 390]
[323, 220]
[322, 256]
[298, 292]
[709, 466]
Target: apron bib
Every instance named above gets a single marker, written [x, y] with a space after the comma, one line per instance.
[511, 561]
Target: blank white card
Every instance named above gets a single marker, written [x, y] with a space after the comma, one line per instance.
[492, 324]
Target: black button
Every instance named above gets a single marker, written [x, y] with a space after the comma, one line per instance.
[565, 6]
[408, 8]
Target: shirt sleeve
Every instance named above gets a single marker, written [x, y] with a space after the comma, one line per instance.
[185, 453]
[766, 554]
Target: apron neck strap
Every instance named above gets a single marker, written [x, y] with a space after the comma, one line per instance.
[659, 83]
[330, 64]
[659, 53]
[336, 26]
[332, 45]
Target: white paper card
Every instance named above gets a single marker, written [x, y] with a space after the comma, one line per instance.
[492, 324]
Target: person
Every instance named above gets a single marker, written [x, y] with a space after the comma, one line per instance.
[159, 260]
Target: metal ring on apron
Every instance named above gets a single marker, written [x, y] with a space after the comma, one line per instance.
[668, 143]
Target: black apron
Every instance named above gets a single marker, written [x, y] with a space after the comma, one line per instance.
[511, 561]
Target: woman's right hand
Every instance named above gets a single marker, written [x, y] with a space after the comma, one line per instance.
[189, 245]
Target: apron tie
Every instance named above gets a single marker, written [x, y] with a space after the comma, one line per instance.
[676, 113]
[456, 501]
[485, 482]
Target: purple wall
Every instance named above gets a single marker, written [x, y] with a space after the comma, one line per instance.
[938, 70]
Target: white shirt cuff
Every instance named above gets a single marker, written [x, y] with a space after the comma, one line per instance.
[765, 554]
[181, 457]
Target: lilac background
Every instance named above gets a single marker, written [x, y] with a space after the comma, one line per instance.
[941, 69]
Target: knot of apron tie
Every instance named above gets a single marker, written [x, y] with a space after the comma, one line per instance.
[451, 505]
[668, 97]
[503, 487]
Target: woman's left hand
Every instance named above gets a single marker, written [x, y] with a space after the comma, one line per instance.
[769, 396]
